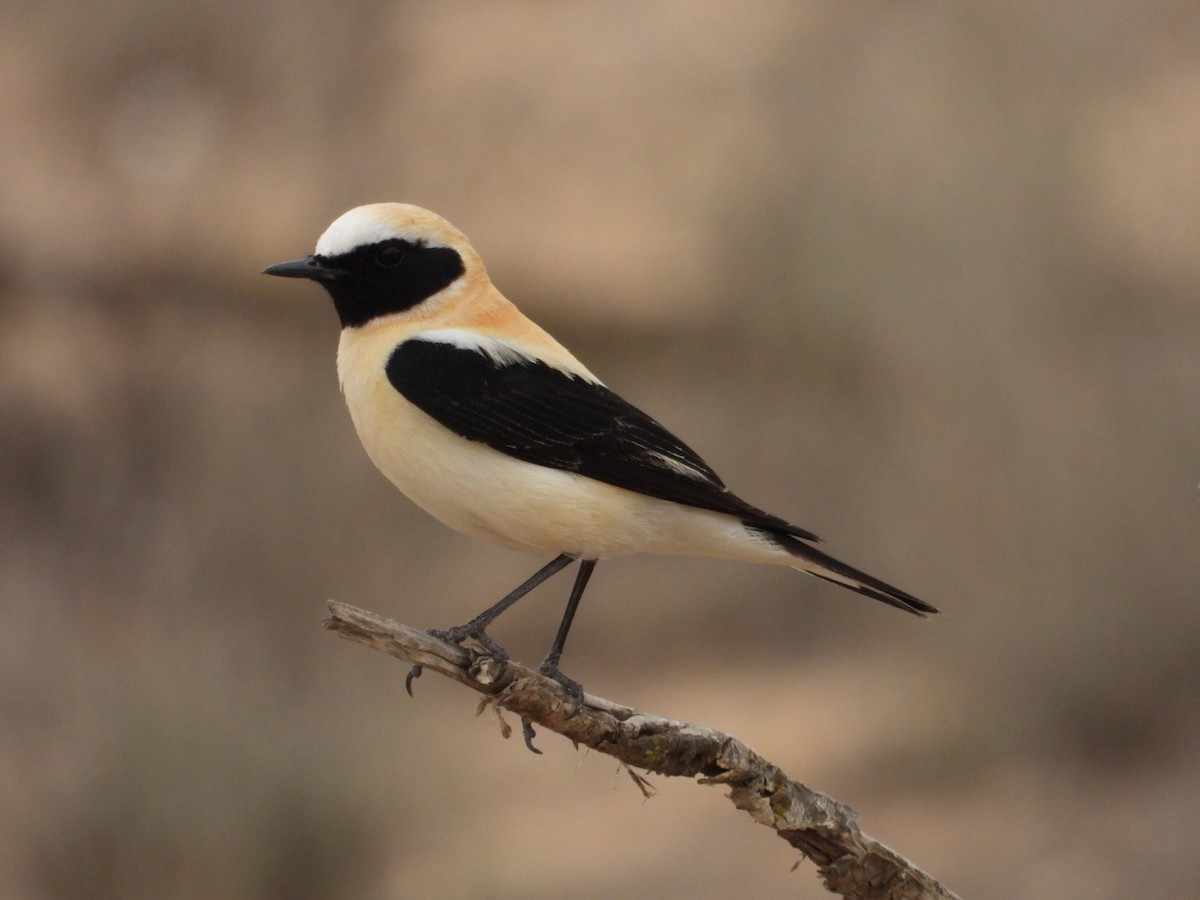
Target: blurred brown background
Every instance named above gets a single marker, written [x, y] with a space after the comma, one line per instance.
[921, 276]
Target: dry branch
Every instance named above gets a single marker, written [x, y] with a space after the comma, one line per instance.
[822, 829]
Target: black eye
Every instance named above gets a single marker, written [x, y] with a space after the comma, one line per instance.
[389, 257]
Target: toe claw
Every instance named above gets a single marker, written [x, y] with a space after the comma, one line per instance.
[528, 733]
[413, 674]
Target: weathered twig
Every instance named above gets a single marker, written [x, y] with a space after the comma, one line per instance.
[822, 829]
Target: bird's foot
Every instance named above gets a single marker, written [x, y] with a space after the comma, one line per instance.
[574, 689]
[476, 633]
[457, 635]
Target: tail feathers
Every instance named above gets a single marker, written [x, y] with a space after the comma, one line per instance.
[824, 566]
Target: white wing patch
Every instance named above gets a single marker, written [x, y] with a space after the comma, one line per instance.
[501, 351]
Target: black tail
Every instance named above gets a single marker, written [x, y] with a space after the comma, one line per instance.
[837, 572]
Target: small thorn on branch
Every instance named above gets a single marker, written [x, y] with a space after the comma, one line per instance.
[643, 784]
[486, 703]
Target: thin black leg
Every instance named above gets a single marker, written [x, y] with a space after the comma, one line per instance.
[549, 666]
[477, 625]
[476, 628]
[581, 580]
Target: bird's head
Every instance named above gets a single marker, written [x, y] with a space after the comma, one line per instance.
[386, 258]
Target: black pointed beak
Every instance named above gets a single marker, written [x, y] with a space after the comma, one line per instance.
[309, 267]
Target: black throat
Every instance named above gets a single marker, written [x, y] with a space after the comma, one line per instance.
[387, 277]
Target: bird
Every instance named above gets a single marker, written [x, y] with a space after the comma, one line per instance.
[492, 426]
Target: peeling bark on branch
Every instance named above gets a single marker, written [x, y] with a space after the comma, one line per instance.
[822, 829]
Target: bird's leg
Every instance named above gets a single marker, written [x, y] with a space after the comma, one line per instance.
[476, 627]
[549, 666]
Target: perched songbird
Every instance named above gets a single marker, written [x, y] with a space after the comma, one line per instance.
[492, 426]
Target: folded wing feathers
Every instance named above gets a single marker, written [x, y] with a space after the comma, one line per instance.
[551, 416]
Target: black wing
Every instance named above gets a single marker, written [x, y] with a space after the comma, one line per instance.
[540, 414]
